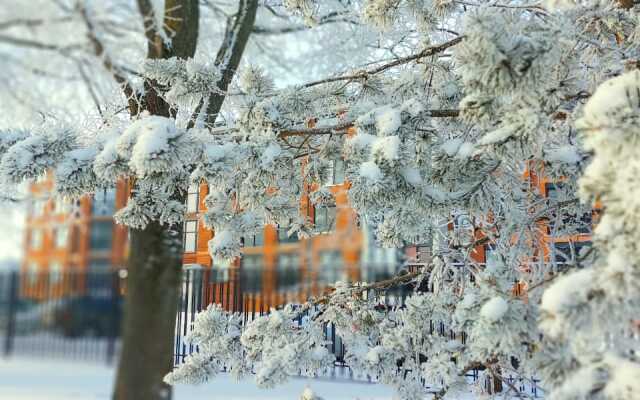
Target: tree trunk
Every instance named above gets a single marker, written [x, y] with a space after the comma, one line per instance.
[153, 281]
[155, 256]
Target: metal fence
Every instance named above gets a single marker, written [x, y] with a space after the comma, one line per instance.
[236, 292]
[72, 315]
[77, 314]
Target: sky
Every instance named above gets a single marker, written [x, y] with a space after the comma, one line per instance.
[12, 221]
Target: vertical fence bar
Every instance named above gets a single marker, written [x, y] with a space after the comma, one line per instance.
[11, 313]
[112, 330]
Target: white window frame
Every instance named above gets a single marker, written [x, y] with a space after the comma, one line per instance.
[193, 198]
[190, 236]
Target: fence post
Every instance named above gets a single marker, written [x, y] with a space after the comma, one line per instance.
[11, 313]
[113, 278]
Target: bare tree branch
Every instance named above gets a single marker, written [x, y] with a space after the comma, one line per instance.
[38, 45]
[228, 58]
[429, 51]
[343, 126]
[331, 18]
[32, 23]
[98, 49]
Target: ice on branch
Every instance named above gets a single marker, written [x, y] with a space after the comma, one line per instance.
[31, 157]
[74, 175]
[157, 146]
[494, 309]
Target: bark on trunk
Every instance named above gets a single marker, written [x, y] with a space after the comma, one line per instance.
[155, 256]
[155, 263]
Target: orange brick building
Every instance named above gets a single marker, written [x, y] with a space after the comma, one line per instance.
[81, 236]
[275, 269]
[63, 235]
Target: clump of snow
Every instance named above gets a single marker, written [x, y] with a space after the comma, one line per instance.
[561, 298]
[466, 150]
[270, 154]
[613, 101]
[388, 121]
[216, 152]
[624, 378]
[494, 309]
[388, 148]
[307, 394]
[451, 146]
[411, 176]
[413, 106]
[153, 133]
[223, 244]
[370, 171]
[74, 175]
[559, 5]
[458, 148]
[9, 138]
[374, 355]
[564, 154]
[497, 136]
[362, 140]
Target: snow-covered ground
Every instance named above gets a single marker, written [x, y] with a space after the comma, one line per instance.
[31, 379]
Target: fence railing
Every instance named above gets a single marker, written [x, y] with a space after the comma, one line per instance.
[77, 314]
[73, 315]
[236, 292]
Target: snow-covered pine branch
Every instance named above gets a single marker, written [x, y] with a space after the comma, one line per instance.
[449, 116]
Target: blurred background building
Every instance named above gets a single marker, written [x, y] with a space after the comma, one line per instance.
[65, 237]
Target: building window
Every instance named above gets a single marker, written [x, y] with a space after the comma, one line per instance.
[283, 235]
[33, 272]
[104, 202]
[36, 239]
[336, 172]
[38, 207]
[190, 236]
[99, 265]
[423, 253]
[61, 236]
[325, 218]
[61, 206]
[331, 267]
[55, 272]
[251, 273]
[101, 235]
[567, 253]
[288, 272]
[193, 198]
[254, 240]
[570, 222]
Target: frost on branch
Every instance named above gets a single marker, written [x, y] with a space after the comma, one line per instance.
[274, 347]
[74, 175]
[34, 155]
[592, 312]
[217, 335]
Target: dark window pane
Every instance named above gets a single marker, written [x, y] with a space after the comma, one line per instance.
[331, 268]
[283, 235]
[338, 171]
[325, 218]
[288, 272]
[101, 235]
[104, 202]
[251, 273]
